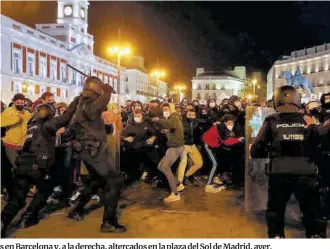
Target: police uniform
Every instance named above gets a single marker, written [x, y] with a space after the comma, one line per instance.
[323, 158]
[90, 134]
[291, 149]
[34, 164]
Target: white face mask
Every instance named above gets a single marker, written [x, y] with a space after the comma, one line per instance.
[166, 114]
[230, 127]
[212, 104]
[137, 120]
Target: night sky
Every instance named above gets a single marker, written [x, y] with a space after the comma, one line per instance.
[185, 35]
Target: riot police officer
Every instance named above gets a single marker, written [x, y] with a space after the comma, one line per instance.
[291, 149]
[325, 112]
[91, 138]
[34, 164]
[323, 159]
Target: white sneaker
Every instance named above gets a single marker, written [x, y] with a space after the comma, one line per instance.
[180, 187]
[172, 197]
[213, 189]
[144, 175]
[217, 180]
[96, 198]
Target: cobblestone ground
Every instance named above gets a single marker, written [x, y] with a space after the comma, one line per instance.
[197, 215]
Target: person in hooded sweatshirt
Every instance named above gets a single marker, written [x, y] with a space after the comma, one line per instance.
[139, 139]
[234, 107]
[172, 127]
[192, 138]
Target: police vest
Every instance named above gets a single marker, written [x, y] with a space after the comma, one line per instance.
[289, 153]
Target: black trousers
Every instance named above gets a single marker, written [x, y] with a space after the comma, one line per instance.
[102, 174]
[64, 175]
[6, 172]
[304, 189]
[131, 161]
[25, 175]
[324, 167]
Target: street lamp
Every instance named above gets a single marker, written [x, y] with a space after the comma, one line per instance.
[179, 89]
[119, 51]
[254, 82]
[158, 74]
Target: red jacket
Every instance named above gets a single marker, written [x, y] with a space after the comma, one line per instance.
[214, 140]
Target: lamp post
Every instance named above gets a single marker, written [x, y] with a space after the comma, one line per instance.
[158, 74]
[178, 89]
[119, 51]
[254, 82]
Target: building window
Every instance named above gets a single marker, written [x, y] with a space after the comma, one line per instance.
[17, 61]
[17, 88]
[42, 67]
[31, 65]
[53, 69]
[63, 72]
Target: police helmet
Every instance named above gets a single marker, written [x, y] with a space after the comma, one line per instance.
[92, 85]
[44, 111]
[287, 95]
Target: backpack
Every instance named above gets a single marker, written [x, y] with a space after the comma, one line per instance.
[211, 137]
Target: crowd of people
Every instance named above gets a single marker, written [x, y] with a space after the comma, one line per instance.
[58, 153]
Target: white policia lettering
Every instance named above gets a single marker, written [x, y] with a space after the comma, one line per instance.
[290, 125]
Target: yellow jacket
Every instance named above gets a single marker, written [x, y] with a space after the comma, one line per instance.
[16, 126]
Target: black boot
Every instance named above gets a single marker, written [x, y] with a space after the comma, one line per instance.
[3, 230]
[76, 216]
[29, 220]
[189, 181]
[112, 227]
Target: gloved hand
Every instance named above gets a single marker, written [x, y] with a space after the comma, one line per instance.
[107, 88]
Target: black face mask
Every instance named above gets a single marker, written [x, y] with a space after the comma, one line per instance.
[315, 113]
[19, 107]
[191, 119]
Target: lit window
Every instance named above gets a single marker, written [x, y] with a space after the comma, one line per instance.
[30, 64]
[17, 61]
[42, 67]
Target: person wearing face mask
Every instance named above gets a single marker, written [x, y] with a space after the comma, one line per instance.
[34, 164]
[325, 112]
[126, 112]
[196, 106]
[184, 103]
[15, 120]
[323, 157]
[213, 111]
[229, 153]
[136, 106]
[191, 141]
[234, 107]
[139, 140]
[172, 127]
